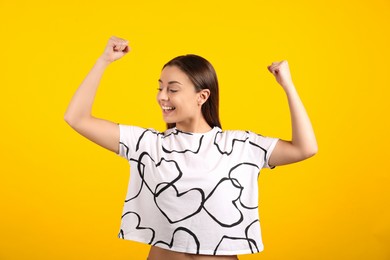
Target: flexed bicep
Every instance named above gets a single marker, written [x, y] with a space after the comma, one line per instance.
[99, 131]
[286, 153]
[303, 142]
[78, 114]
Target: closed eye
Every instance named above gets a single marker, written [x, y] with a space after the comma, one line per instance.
[169, 90]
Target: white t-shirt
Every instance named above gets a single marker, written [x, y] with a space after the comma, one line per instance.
[194, 192]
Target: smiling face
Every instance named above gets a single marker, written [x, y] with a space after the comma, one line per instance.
[178, 99]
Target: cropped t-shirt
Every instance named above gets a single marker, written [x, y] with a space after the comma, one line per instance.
[194, 192]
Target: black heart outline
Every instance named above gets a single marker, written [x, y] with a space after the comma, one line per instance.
[233, 203]
[172, 239]
[178, 195]
[143, 134]
[142, 182]
[177, 132]
[186, 150]
[249, 240]
[239, 184]
[138, 227]
[233, 143]
[142, 172]
[174, 132]
[235, 238]
[258, 146]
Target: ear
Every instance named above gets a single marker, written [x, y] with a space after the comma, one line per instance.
[203, 96]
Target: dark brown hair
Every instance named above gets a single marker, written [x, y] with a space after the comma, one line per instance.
[203, 76]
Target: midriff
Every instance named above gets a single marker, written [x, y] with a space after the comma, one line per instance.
[157, 253]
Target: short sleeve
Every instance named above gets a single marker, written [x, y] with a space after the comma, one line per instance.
[263, 147]
[128, 138]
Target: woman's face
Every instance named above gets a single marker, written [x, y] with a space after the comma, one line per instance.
[179, 101]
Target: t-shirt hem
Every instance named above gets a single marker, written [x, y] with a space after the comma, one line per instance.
[201, 251]
[269, 152]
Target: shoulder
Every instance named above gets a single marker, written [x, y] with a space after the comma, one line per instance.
[137, 129]
[132, 134]
[239, 134]
[247, 136]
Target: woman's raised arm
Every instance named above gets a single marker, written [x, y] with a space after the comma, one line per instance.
[78, 115]
[303, 143]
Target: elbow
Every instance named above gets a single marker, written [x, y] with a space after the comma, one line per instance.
[66, 118]
[310, 151]
[70, 119]
[75, 121]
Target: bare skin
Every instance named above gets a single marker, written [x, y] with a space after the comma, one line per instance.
[157, 253]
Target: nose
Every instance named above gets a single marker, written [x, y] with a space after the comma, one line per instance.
[162, 95]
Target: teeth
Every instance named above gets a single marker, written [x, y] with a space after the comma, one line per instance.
[168, 108]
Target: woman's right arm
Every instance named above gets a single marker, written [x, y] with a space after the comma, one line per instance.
[79, 116]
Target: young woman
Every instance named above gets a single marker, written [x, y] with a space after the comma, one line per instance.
[193, 188]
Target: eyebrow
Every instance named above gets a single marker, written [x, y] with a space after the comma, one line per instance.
[171, 82]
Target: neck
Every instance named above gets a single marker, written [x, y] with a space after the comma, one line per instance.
[197, 126]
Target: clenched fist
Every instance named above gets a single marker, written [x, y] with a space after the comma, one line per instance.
[281, 71]
[116, 48]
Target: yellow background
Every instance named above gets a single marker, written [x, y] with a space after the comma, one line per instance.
[62, 196]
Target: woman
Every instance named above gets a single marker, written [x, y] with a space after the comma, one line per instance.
[193, 189]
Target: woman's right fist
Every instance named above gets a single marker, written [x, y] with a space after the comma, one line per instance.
[116, 48]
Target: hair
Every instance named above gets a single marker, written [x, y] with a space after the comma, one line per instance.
[203, 76]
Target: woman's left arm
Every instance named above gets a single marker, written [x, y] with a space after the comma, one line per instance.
[303, 144]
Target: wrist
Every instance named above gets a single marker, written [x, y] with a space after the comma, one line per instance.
[102, 62]
[289, 88]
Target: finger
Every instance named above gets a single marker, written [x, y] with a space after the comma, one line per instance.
[124, 46]
[113, 40]
[115, 47]
[272, 72]
[118, 45]
[274, 64]
[273, 68]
